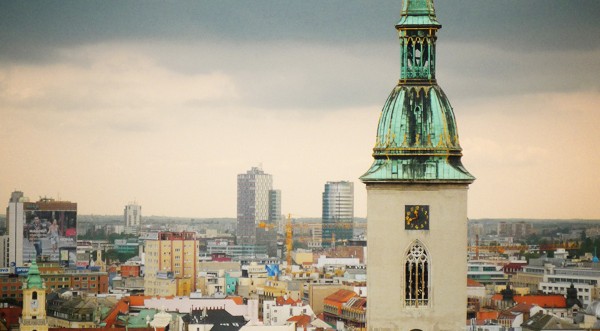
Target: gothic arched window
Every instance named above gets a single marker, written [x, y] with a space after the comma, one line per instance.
[416, 276]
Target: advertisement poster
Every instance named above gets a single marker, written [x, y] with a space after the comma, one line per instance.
[46, 232]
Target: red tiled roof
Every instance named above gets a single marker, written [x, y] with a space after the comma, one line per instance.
[521, 308]
[340, 297]
[484, 315]
[238, 300]
[301, 320]
[544, 301]
[473, 283]
[280, 301]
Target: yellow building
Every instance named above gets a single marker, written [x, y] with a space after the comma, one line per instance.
[34, 302]
[171, 264]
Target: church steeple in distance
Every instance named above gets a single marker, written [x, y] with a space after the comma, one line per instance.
[417, 194]
[417, 138]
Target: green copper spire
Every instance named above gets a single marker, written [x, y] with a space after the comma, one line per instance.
[417, 139]
[418, 13]
[34, 280]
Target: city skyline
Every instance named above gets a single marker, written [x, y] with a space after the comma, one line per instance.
[168, 102]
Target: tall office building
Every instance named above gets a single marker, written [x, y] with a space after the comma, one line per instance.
[417, 194]
[253, 210]
[275, 216]
[171, 264]
[133, 218]
[338, 212]
[15, 219]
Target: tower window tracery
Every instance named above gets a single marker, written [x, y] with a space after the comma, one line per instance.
[416, 278]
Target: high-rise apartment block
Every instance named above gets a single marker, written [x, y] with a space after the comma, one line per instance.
[133, 218]
[171, 264]
[257, 204]
[338, 212]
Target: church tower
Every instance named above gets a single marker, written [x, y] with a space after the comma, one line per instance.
[34, 302]
[417, 194]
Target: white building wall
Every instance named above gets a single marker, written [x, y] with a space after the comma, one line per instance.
[278, 315]
[4, 251]
[388, 245]
[15, 218]
[133, 215]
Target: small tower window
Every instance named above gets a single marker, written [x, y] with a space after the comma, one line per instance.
[416, 278]
[34, 295]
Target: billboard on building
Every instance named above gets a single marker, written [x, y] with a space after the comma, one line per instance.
[48, 229]
[67, 256]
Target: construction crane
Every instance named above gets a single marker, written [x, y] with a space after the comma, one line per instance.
[289, 234]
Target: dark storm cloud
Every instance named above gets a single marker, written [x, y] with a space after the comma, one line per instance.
[31, 30]
[484, 46]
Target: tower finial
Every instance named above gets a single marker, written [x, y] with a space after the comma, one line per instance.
[418, 13]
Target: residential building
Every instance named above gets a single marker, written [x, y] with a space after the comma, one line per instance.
[338, 212]
[280, 310]
[487, 274]
[314, 294]
[171, 264]
[559, 280]
[346, 307]
[76, 312]
[132, 216]
[417, 194]
[55, 278]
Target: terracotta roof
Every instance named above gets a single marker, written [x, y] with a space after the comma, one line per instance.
[238, 300]
[544, 301]
[521, 308]
[485, 315]
[473, 283]
[280, 301]
[301, 320]
[341, 296]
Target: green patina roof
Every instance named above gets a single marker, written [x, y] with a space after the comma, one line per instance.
[418, 13]
[34, 280]
[417, 138]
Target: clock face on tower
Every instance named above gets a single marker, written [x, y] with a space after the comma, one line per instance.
[416, 217]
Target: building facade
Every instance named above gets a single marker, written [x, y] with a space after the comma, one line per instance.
[132, 215]
[255, 215]
[171, 264]
[15, 219]
[275, 216]
[338, 212]
[417, 194]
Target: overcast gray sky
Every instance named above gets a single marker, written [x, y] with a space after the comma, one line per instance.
[104, 102]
